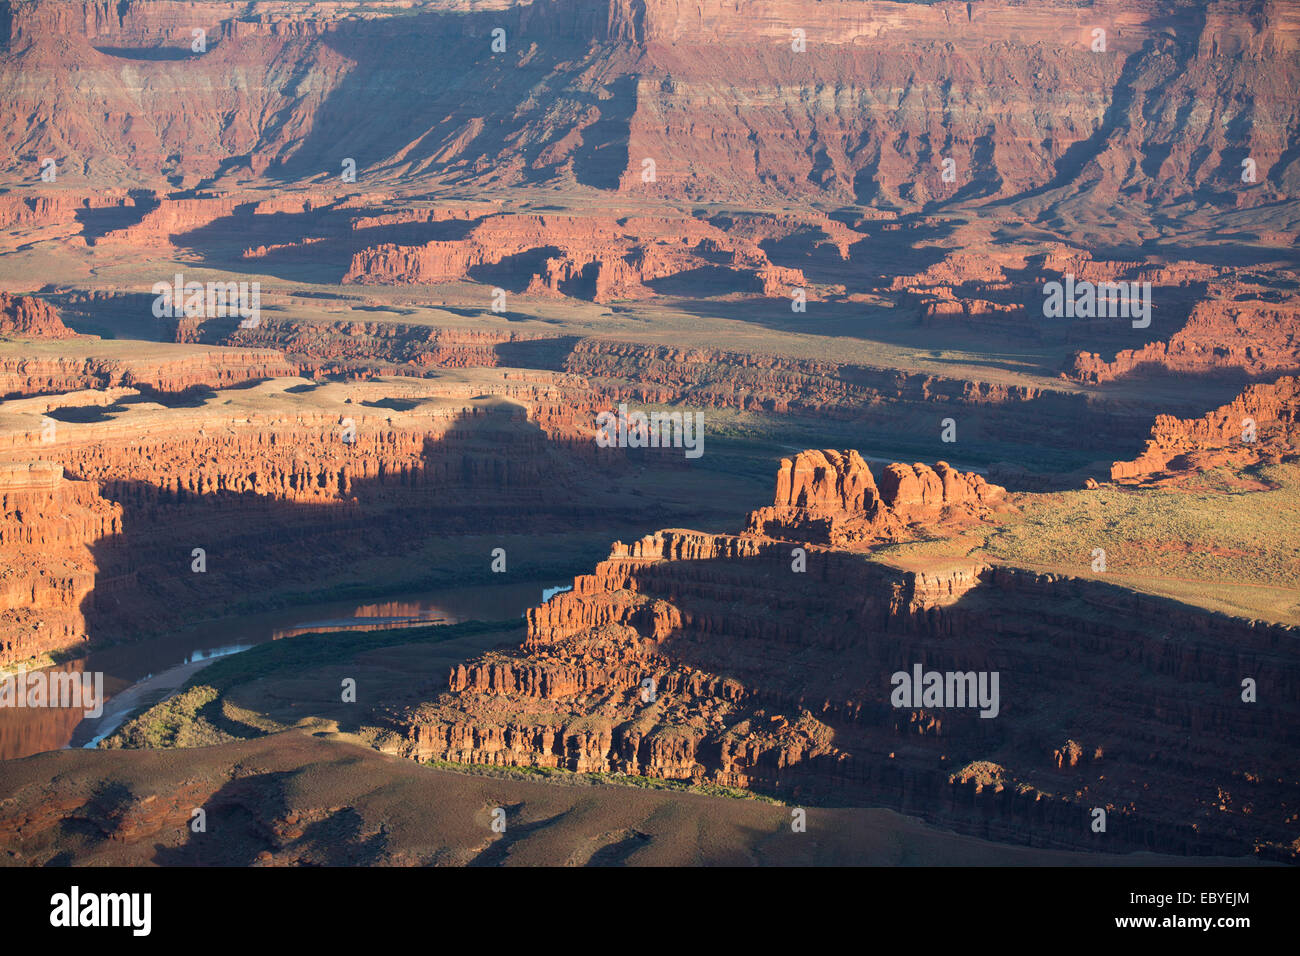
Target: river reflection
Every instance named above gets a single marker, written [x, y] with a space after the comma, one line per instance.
[146, 671]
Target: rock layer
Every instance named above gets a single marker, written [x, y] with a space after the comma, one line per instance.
[864, 113]
[30, 317]
[171, 372]
[832, 498]
[1260, 425]
[713, 658]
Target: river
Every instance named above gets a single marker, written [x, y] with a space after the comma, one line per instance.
[144, 672]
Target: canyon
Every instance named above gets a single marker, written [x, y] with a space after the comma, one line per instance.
[829, 228]
[765, 673]
[299, 484]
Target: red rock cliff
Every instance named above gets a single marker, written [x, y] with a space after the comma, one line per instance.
[832, 497]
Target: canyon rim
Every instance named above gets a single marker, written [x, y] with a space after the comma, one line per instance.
[597, 433]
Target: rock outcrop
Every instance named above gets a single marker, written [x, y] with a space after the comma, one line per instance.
[601, 258]
[1261, 425]
[1222, 336]
[391, 348]
[48, 524]
[169, 218]
[30, 317]
[716, 658]
[831, 497]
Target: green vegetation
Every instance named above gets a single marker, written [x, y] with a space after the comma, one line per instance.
[196, 717]
[1222, 542]
[1203, 545]
[201, 714]
[575, 779]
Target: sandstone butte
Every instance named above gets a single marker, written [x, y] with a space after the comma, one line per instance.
[598, 258]
[625, 674]
[831, 497]
[27, 316]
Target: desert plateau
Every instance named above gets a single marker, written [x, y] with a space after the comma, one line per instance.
[572, 433]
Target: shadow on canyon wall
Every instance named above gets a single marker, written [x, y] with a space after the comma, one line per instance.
[491, 475]
[459, 76]
[1107, 698]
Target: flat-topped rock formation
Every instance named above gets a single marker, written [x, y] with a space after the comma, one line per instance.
[734, 660]
[594, 257]
[831, 497]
